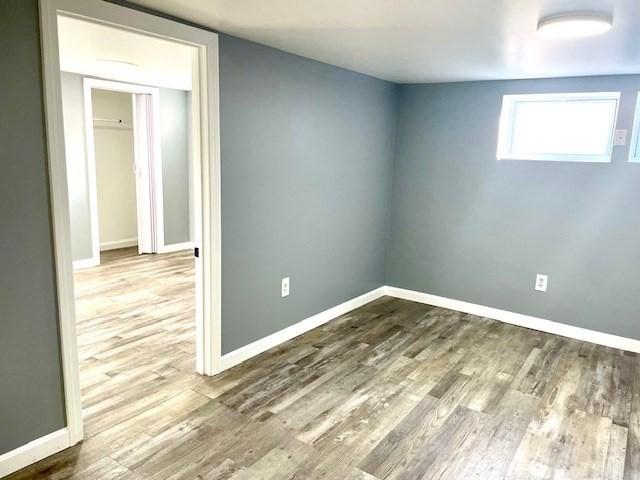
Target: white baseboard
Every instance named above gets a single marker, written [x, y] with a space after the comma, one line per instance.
[86, 263]
[519, 319]
[176, 247]
[127, 242]
[244, 353]
[34, 451]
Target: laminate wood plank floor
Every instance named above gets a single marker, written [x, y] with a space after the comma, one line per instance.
[393, 390]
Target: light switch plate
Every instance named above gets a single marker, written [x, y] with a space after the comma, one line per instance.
[284, 289]
[620, 138]
[541, 282]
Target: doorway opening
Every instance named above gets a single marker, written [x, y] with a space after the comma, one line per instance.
[132, 127]
[138, 164]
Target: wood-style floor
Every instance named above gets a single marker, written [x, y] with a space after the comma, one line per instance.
[393, 390]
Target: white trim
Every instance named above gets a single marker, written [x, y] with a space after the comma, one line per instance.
[175, 247]
[86, 263]
[34, 451]
[60, 217]
[244, 353]
[506, 126]
[518, 319]
[557, 158]
[205, 111]
[208, 308]
[116, 244]
[635, 134]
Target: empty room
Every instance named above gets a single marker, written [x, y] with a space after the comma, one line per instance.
[357, 240]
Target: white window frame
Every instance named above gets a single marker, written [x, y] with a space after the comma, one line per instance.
[635, 134]
[505, 132]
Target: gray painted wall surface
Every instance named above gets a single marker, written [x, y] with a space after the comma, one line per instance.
[175, 165]
[192, 221]
[307, 154]
[306, 173]
[469, 227]
[77, 177]
[306, 167]
[31, 399]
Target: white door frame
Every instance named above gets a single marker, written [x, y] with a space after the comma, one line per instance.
[151, 223]
[206, 191]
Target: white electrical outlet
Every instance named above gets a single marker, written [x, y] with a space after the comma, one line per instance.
[284, 289]
[541, 282]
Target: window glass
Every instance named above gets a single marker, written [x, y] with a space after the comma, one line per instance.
[573, 127]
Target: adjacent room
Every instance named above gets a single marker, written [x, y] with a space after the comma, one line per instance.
[126, 102]
[351, 240]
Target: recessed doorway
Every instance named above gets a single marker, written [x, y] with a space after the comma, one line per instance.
[137, 300]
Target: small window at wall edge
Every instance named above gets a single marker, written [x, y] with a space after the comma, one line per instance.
[568, 127]
[634, 146]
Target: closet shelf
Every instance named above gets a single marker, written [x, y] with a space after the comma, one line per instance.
[112, 123]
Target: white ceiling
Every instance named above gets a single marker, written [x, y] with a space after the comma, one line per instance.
[426, 40]
[161, 63]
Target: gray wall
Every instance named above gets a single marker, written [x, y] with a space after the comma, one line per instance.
[174, 122]
[306, 174]
[306, 169]
[307, 153]
[175, 165]
[469, 227]
[77, 178]
[31, 399]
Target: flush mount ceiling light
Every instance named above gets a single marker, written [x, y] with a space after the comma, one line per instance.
[573, 25]
[119, 65]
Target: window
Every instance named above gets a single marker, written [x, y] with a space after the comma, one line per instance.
[634, 150]
[572, 127]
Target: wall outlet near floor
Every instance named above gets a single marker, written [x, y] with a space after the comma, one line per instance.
[541, 282]
[284, 289]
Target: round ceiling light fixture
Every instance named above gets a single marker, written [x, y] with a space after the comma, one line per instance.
[117, 64]
[574, 25]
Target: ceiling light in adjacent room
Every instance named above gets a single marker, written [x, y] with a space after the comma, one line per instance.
[573, 25]
[117, 66]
